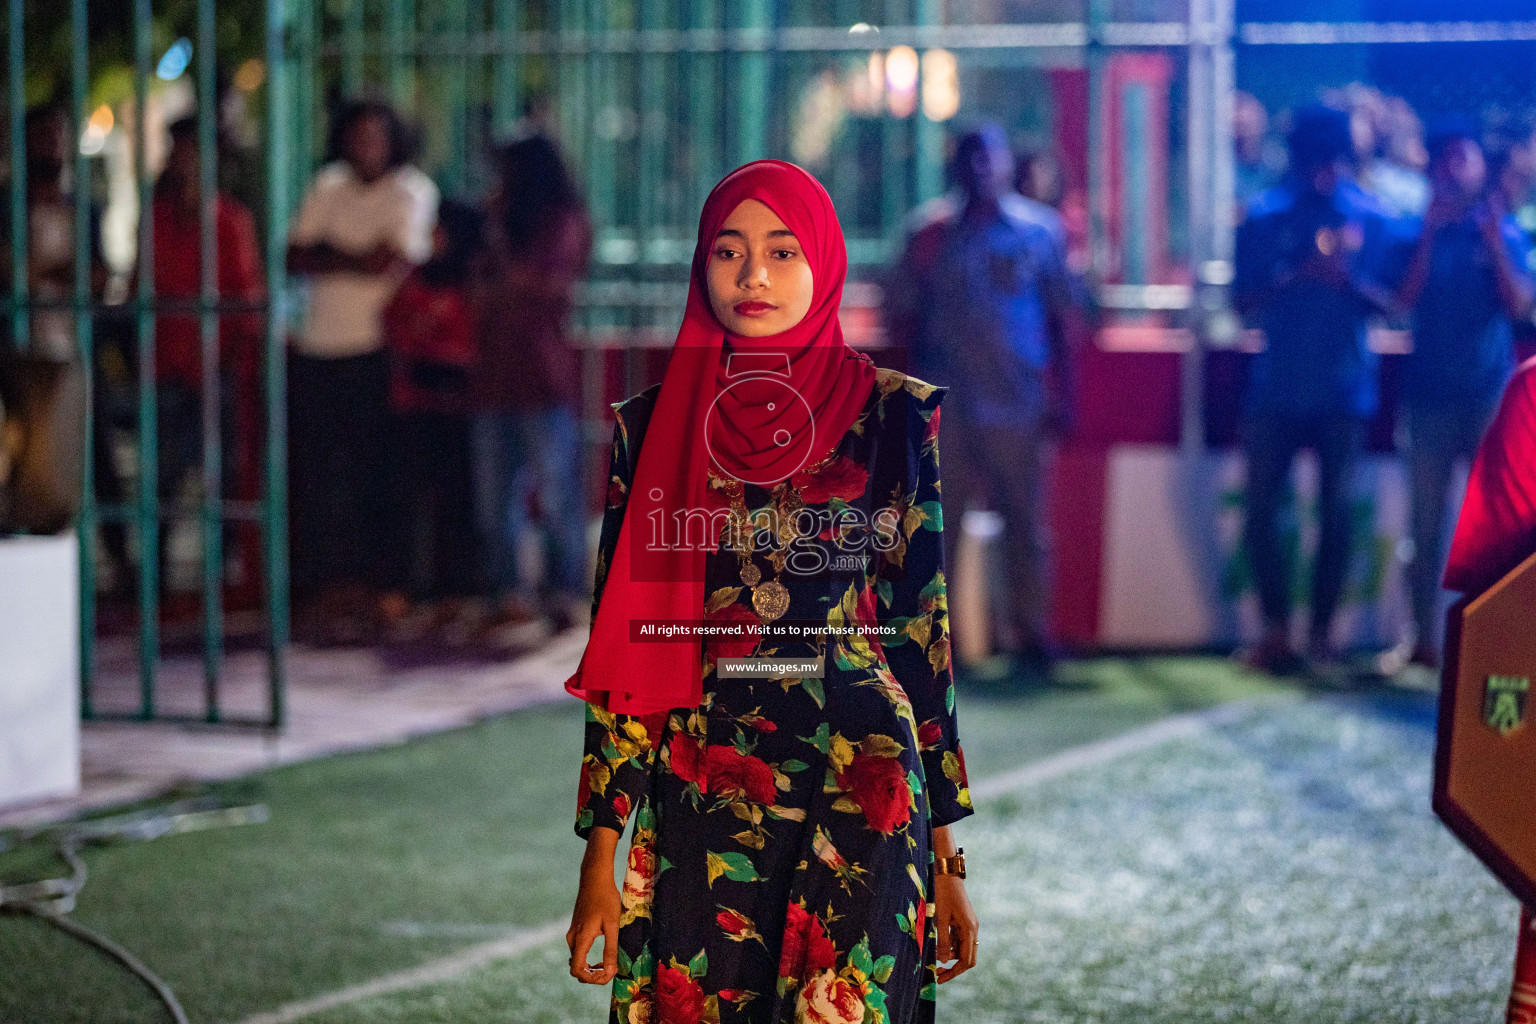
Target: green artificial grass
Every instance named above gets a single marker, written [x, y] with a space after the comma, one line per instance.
[470, 827]
[1003, 726]
[1282, 870]
[1286, 869]
[376, 862]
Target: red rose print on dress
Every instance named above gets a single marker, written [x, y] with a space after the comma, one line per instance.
[639, 878]
[686, 756]
[805, 949]
[738, 927]
[865, 614]
[879, 787]
[933, 425]
[733, 647]
[654, 724]
[829, 999]
[679, 997]
[738, 775]
[642, 1010]
[929, 735]
[842, 478]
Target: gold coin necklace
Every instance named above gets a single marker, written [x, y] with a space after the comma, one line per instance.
[770, 599]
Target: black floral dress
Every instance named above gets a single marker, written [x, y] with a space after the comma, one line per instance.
[780, 869]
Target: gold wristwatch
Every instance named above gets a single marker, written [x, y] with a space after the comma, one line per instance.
[951, 865]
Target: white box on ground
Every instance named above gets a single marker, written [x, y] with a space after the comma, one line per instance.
[39, 668]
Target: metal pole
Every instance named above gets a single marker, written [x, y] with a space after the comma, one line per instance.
[20, 315]
[476, 67]
[79, 44]
[929, 149]
[276, 510]
[454, 76]
[843, 168]
[573, 121]
[893, 136]
[601, 141]
[306, 73]
[399, 37]
[751, 104]
[1201, 117]
[1223, 169]
[704, 101]
[1098, 151]
[352, 48]
[148, 505]
[651, 133]
[213, 397]
[507, 17]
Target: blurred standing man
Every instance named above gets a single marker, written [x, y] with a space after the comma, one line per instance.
[367, 217]
[1308, 260]
[980, 298]
[1465, 283]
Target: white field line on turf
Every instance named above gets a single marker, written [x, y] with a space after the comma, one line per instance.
[446, 969]
[1086, 756]
[1090, 754]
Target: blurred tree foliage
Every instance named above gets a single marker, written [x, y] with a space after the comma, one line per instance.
[239, 25]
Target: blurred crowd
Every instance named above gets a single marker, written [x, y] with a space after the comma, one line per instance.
[1367, 215]
[433, 391]
[433, 395]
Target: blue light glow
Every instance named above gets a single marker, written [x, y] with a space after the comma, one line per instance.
[175, 61]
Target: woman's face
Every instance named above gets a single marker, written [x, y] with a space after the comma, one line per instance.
[759, 279]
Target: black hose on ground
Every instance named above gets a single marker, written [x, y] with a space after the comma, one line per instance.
[50, 900]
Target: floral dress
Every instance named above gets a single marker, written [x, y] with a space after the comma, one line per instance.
[780, 869]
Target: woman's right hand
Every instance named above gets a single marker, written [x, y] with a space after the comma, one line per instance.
[597, 911]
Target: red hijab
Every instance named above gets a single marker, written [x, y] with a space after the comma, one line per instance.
[1496, 529]
[707, 415]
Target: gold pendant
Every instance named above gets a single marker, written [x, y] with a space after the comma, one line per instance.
[770, 600]
[750, 574]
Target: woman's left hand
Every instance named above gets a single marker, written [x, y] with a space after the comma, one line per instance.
[955, 921]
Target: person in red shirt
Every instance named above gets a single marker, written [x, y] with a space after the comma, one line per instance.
[1495, 532]
[177, 220]
[429, 332]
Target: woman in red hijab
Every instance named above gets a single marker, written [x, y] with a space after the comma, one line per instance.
[773, 506]
[1495, 532]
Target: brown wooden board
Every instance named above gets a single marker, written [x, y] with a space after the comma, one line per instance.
[1485, 752]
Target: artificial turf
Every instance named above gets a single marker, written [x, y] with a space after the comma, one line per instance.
[1271, 871]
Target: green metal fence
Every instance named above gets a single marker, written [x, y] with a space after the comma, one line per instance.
[653, 100]
[141, 512]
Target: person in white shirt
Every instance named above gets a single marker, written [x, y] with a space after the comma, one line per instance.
[365, 220]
